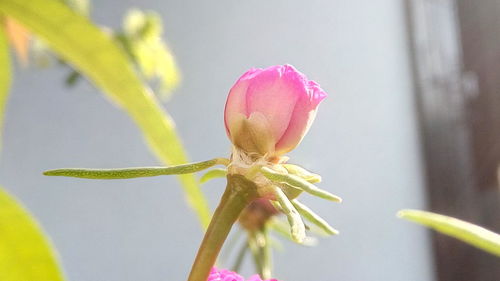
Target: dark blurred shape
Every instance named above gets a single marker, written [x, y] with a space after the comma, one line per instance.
[257, 214]
[456, 57]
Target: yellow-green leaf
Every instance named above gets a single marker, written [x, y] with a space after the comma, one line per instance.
[130, 173]
[143, 31]
[469, 233]
[25, 252]
[93, 53]
[5, 76]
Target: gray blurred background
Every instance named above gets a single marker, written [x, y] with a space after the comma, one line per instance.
[364, 142]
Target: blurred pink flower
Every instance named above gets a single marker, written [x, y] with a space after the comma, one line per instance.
[268, 111]
[226, 275]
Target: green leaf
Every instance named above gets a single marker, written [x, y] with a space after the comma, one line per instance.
[297, 227]
[469, 233]
[5, 76]
[93, 53]
[25, 252]
[213, 174]
[129, 173]
[79, 6]
[303, 173]
[314, 218]
[283, 229]
[299, 183]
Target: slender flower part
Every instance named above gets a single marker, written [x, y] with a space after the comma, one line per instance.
[226, 275]
[268, 111]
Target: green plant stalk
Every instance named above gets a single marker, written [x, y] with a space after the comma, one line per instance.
[238, 194]
[255, 249]
[266, 255]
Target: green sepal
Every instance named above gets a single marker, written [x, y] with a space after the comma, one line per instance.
[128, 173]
[297, 227]
[291, 191]
[469, 233]
[314, 218]
[282, 228]
[300, 183]
[303, 173]
[213, 174]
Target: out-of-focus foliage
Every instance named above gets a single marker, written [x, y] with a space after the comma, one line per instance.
[141, 39]
[25, 253]
[79, 6]
[96, 55]
[467, 232]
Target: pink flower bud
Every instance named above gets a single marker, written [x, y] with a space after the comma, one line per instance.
[268, 111]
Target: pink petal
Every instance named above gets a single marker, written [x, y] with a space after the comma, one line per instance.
[302, 118]
[274, 92]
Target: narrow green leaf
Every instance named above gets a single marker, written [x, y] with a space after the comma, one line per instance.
[303, 173]
[129, 173]
[5, 76]
[283, 229]
[93, 53]
[314, 218]
[297, 227]
[25, 252]
[469, 233]
[300, 183]
[213, 174]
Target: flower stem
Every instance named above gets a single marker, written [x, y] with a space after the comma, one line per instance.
[238, 194]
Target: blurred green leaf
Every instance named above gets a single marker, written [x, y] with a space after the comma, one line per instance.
[25, 252]
[5, 76]
[79, 6]
[93, 53]
[314, 218]
[283, 228]
[142, 39]
[469, 233]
